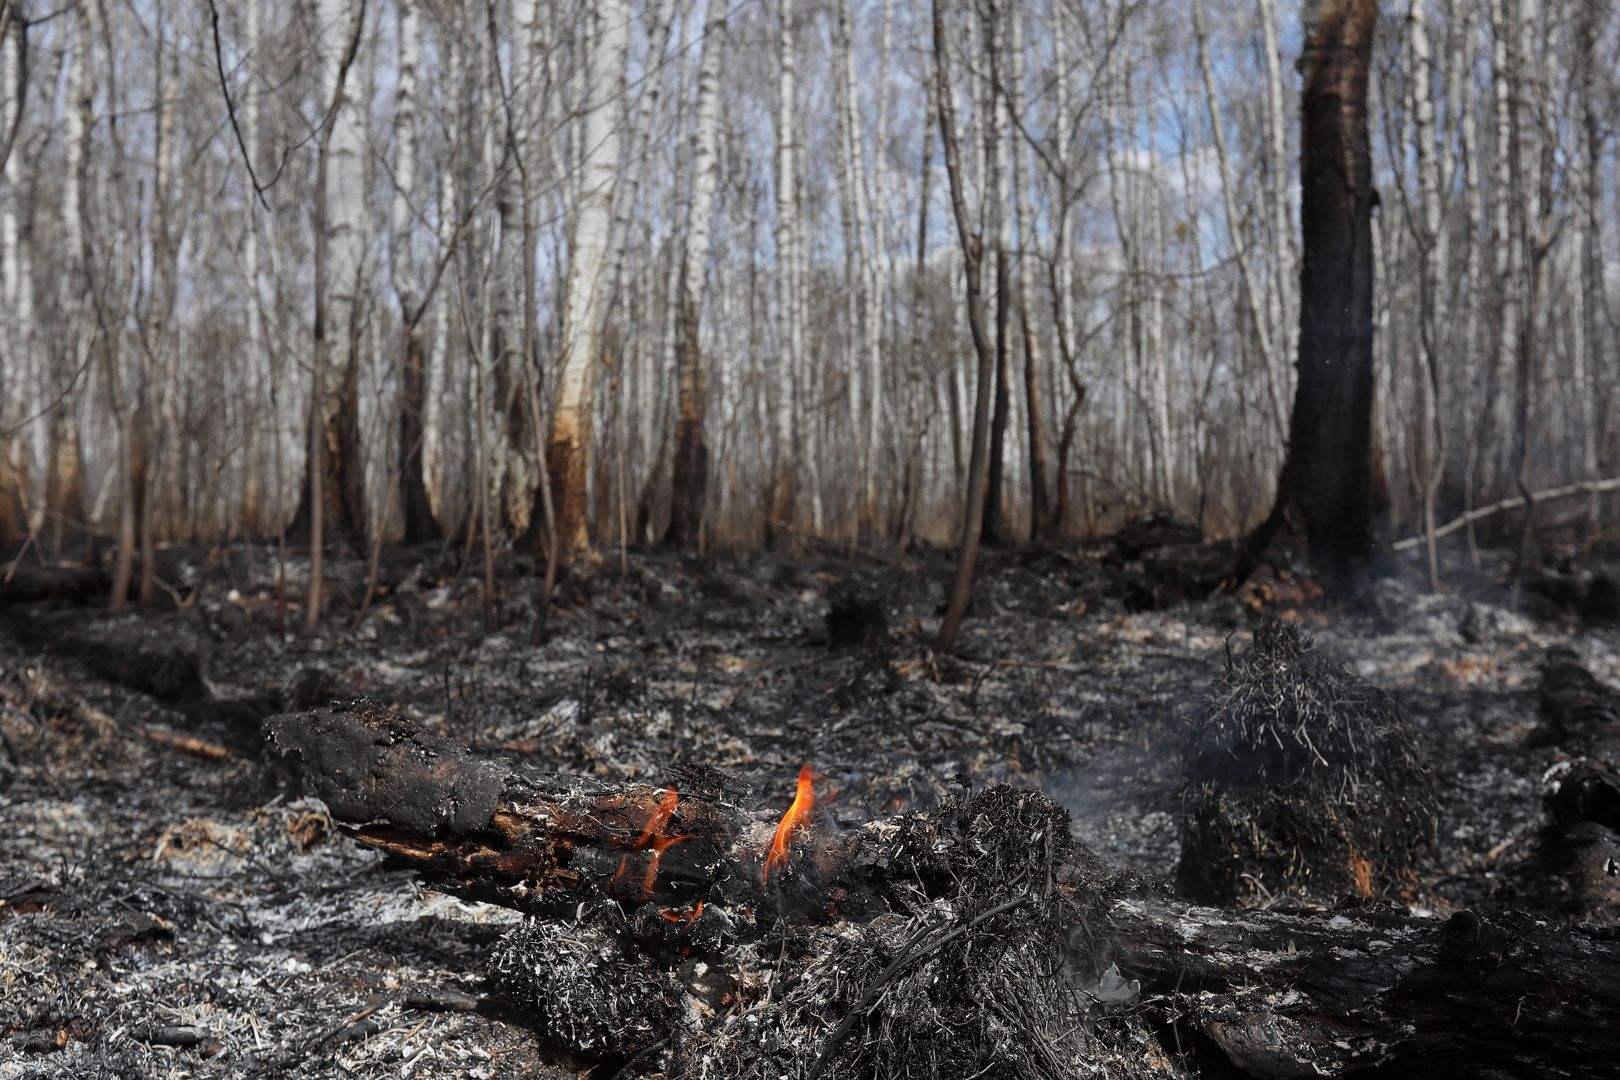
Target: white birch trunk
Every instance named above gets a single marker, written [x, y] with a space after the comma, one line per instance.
[1431, 312]
[73, 287]
[23, 382]
[402, 212]
[253, 494]
[705, 156]
[1508, 246]
[790, 358]
[690, 460]
[345, 213]
[1473, 201]
[876, 298]
[1590, 357]
[588, 262]
[864, 316]
[1265, 345]
[1286, 284]
[439, 350]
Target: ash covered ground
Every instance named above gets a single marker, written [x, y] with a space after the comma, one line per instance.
[170, 906]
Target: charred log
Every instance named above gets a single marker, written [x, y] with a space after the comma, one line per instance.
[1375, 991]
[1581, 790]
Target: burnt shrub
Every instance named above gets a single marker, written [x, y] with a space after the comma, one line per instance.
[1301, 780]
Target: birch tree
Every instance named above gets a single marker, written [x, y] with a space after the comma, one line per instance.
[569, 452]
[789, 277]
[337, 280]
[691, 456]
[1023, 176]
[1431, 315]
[23, 379]
[403, 218]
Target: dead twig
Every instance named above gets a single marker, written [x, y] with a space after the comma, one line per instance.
[194, 745]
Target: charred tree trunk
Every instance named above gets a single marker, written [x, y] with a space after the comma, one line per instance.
[967, 550]
[1327, 479]
[419, 522]
[994, 533]
[689, 478]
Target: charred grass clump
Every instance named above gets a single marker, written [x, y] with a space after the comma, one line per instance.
[985, 959]
[1301, 780]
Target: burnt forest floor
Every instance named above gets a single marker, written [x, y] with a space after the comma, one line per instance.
[170, 906]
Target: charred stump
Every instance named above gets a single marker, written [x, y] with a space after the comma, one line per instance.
[1301, 780]
[856, 618]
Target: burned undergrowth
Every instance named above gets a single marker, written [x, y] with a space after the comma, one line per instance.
[1301, 779]
[163, 881]
[982, 961]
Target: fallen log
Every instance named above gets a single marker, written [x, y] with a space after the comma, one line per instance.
[63, 584]
[1375, 989]
[1583, 487]
[934, 940]
[510, 834]
[1581, 789]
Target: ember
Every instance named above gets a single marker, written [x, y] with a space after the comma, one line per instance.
[804, 801]
[652, 837]
[678, 917]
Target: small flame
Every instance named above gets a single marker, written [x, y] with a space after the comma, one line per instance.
[795, 818]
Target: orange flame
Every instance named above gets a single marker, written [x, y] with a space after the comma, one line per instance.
[795, 818]
[653, 837]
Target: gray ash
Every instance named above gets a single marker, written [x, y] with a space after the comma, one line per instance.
[580, 983]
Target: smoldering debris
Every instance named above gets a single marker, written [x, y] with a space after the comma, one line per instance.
[1301, 779]
[984, 963]
[659, 676]
[584, 989]
[975, 954]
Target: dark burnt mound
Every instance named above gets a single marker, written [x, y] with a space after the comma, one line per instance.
[987, 924]
[1301, 780]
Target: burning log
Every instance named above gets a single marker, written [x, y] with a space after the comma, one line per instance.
[540, 842]
[974, 937]
[1581, 790]
[1301, 780]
